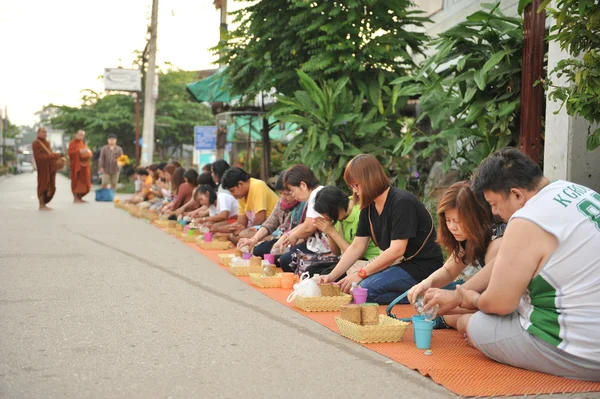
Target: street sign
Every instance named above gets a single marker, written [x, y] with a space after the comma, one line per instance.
[205, 137]
[122, 79]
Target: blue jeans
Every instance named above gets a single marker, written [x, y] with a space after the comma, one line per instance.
[286, 258]
[388, 284]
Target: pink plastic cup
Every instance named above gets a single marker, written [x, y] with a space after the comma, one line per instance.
[208, 237]
[246, 255]
[269, 258]
[359, 295]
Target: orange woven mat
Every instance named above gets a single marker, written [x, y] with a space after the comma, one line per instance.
[454, 365]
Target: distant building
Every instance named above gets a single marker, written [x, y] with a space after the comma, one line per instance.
[55, 137]
[447, 13]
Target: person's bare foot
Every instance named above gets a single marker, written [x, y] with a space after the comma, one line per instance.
[45, 208]
[78, 201]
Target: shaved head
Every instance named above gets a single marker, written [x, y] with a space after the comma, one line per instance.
[42, 132]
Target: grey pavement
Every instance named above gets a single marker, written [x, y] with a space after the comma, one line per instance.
[96, 304]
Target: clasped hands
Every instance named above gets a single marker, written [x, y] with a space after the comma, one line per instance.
[324, 225]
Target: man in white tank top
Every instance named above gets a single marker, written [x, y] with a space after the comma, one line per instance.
[539, 308]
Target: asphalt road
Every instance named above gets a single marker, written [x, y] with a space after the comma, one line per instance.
[96, 304]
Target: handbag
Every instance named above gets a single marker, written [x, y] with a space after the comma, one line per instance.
[313, 263]
[57, 163]
[318, 243]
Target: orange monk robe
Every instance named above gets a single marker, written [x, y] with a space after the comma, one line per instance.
[81, 175]
[46, 174]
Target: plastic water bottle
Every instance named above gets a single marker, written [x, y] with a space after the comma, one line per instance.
[430, 314]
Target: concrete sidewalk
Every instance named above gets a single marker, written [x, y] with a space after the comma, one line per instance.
[94, 303]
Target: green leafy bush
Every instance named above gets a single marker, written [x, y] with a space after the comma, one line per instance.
[334, 127]
[577, 29]
[469, 89]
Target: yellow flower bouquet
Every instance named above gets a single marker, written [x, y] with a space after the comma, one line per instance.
[123, 160]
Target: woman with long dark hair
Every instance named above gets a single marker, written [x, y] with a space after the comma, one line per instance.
[469, 234]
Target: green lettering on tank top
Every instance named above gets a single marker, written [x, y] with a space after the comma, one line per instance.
[591, 209]
[544, 318]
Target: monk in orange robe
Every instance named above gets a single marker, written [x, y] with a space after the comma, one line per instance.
[46, 172]
[79, 162]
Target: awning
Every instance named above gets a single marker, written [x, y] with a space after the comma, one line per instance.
[252, 125]
[212, 89]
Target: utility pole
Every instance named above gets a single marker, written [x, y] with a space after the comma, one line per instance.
[222, 4]
[137, 128]
[222, 127]
[149, 102]
[1, 138]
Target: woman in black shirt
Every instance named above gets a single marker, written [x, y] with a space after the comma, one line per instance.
[398, 224]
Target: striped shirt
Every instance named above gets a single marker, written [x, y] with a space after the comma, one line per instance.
[108, 159]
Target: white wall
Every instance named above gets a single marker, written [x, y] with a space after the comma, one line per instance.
[565, 154]
[447, 13]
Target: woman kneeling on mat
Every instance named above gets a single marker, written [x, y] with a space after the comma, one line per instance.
[467, 230]
[288, 214]
[398, 224]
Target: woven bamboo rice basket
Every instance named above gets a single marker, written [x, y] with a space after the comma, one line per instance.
[225, 259]
[185, 237]
[213, 245]
[322, 303]
[151, 216]
[266, 282]
[239, 270]
[388, 330]
[245, 270]
[161, 223]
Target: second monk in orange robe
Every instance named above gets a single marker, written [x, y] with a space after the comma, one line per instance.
[79, 162]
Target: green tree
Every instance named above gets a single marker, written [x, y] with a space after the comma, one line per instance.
[469, 88]
[100, 114]
[29, 133]
[334, 128]
[327, 40]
